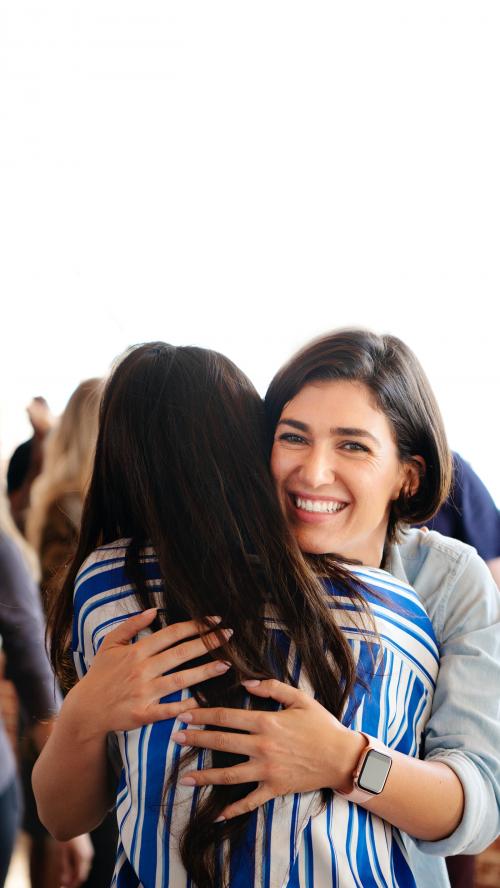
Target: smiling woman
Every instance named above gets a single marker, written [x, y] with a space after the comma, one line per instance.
[353, 420]
[337, 482]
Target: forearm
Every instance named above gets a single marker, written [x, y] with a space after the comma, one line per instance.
[422, 798]
[71, 776]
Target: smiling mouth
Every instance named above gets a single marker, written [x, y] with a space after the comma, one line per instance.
[325, 507]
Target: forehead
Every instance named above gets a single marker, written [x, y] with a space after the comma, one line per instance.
[332, 403]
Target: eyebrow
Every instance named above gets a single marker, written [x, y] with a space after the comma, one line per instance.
[350, 431]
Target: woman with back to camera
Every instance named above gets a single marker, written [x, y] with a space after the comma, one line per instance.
[343, 414]
[182, 507]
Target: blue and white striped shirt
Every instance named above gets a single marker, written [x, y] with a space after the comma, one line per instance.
[288, 843]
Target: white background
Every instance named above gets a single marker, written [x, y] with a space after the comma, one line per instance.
[245, 176]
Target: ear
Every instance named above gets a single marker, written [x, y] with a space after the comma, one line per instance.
[410, 475]
[414, 470]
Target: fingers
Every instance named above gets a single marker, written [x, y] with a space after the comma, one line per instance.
[246, 773]
[177, 632]
[164, 711]
[169, 642]
[250, 803]
[156, 712]
[277, 690]
[223, 741]
[240, 719]
[186, 651]
[129, 628]
[185, 678]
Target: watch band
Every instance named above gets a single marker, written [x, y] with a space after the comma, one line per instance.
[357, 793]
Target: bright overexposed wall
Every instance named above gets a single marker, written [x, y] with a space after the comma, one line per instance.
[245, 176]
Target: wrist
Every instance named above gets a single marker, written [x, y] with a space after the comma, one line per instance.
[81, 717]
[347, 755]
[371, 772]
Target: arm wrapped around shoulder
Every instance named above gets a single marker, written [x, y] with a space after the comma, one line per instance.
[464, 728]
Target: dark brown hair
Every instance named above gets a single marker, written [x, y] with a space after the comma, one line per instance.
[400, 389]
[181, 462]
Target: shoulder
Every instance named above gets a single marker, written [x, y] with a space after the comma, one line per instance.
[101, 571]
[452, 581]
[418, 550]
[104, 595]
[102, 559]
[400, 615]
[384, 583]
[102, 577]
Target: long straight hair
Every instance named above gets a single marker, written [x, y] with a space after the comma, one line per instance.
[181, 463]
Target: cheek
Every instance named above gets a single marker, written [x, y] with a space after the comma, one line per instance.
[395, 483]
[278, 470]
[379, 486]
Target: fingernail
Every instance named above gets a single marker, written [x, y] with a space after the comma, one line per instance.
[227, 633]
[179, 737]
[222, 667]
[251, 683]
[150, 610]
[187, 781]
[215, 619]
[185, 717]
[219, 819]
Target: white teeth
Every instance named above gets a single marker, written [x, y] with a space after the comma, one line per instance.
[318, 505]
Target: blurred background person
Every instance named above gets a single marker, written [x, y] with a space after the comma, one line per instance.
[52, 528]
[27, 667]
[54, 514]
[26, 461]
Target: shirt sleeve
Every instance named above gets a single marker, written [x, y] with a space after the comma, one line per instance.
[99, 606]
[464, 728]
[22, 630]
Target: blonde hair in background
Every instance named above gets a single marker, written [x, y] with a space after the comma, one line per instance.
[69, 456]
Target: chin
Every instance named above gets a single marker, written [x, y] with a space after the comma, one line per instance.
[313, 547]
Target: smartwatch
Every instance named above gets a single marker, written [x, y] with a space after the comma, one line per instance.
[371, 772]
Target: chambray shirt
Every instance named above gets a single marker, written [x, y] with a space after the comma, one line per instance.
[463, 602]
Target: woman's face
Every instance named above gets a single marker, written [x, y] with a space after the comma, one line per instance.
[336, 468]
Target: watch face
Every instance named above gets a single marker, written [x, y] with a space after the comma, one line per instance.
[374, 772]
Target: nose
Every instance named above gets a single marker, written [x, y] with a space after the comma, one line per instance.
[318, 467]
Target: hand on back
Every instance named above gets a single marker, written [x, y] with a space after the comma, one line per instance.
[123, 688]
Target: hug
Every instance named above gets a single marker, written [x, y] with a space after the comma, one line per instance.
[281, 681]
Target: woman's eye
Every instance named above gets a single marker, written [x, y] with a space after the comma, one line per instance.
[355, 447]
[291, 438]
